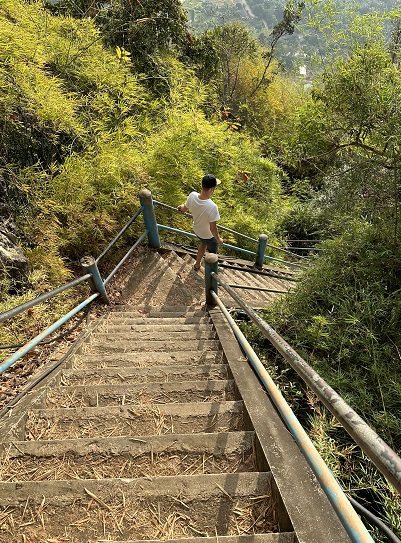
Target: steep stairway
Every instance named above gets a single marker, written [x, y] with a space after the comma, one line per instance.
[155, 428]
[167, 278]
[142, 438]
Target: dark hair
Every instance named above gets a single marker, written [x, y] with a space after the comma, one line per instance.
[209, 181]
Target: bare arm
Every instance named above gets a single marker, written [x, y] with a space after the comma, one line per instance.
[183, 208]
[215, 232]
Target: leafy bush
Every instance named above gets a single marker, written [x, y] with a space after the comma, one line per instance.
[344, 319]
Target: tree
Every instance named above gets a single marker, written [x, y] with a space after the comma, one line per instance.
[145, 28]
[234, 45]
[292, 15]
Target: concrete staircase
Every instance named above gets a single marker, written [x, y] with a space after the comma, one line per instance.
[167, 278]
[155, 428]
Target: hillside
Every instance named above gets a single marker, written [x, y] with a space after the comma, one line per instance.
[97, 105]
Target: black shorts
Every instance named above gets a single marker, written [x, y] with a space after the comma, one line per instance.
[211, 244]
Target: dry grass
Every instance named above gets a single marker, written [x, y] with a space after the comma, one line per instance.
[122, 517]
[139, 420]
[58, 398]
[100, 466]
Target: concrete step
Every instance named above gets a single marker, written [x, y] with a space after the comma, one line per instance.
[159, 335]
[128, 375]
[178, 264]
[147, 456]
[183, 268]
[154, 282]
[283, 537]
[124, 420]
[147, 358]
[178, 327]
[162, 312]
[130, 320]
[238, 278]
[164, 345]
[144, 393]
[142, 508]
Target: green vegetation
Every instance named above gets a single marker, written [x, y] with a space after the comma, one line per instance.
[96, 106]
[83, 131]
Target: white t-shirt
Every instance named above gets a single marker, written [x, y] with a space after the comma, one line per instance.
[203, 213]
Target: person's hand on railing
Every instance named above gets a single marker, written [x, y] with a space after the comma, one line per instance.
[182, 208]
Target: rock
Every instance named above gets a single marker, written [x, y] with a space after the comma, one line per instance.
[13, 262]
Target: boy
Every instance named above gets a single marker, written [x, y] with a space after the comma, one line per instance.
[205, 215]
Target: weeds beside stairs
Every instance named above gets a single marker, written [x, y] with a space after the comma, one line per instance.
[156, 429]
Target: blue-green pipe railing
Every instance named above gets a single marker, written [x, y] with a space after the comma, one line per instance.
[42, 298]
[346, 513]
[36, 340]
[228, 246]
[149, 217]
[225, 229]
[119, 235]
[386, 460]
[92, 275]
[97, 286]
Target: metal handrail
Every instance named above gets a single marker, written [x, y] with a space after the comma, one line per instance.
[136, 244]
[339, 501]
[386, 460]
[228, 246]
[225, 229]
[118, 236]
[266, 273]
[96, 284]
[261, 289]
[36, 340]
[27, 305]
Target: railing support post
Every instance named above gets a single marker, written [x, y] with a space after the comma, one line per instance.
[149, 217]
[260, 257]
[89, 265]
[211, 264]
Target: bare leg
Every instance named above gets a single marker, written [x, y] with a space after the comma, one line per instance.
[199, 256]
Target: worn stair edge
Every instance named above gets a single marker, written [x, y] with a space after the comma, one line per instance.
[95, 422]
[153, 345]
[191, 486]
[150, 374]
[312, 516]
[109, 327]
[128, 311]
[153, 335]
[151, 358]
[223, 443]
[156, 321]
[207, 417]
[94, 395]
[193, 408]
[162, 308]
[283, 537]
